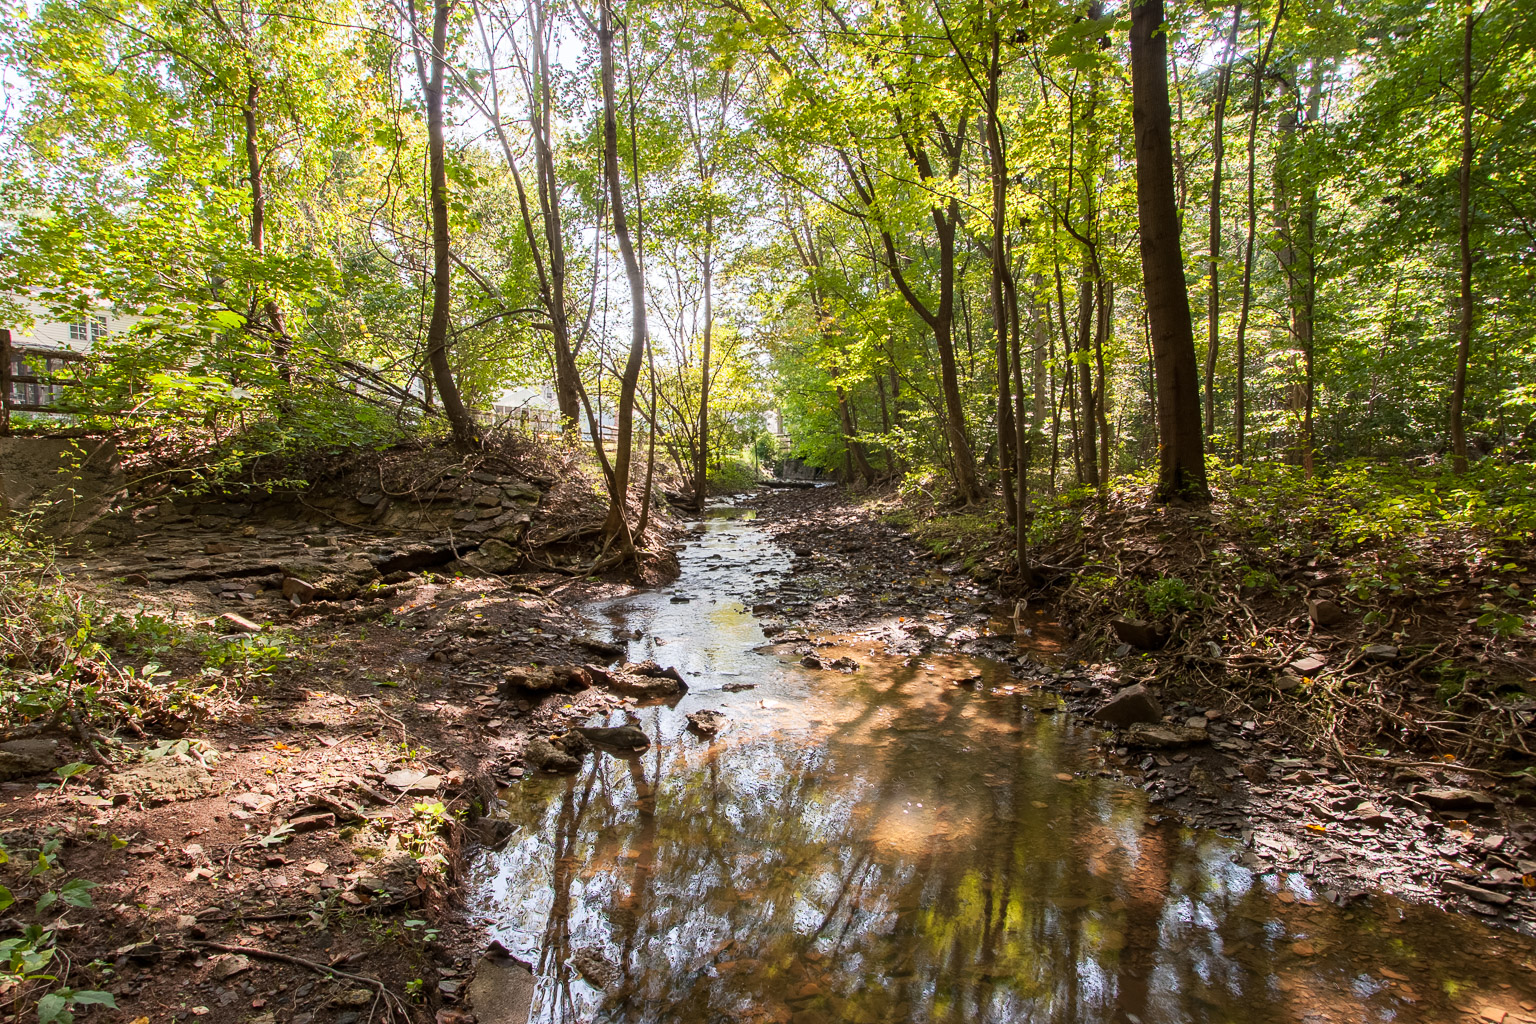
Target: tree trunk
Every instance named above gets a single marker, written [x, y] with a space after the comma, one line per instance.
[1101, 338]
[1464, 225]
[616, 527]
[465, 434]
[1213, 300]
[1241, 410]
[1004, 318]
[701, 468]
[1088, 445]
[1181, 450]
[567, 377]
[282, 344]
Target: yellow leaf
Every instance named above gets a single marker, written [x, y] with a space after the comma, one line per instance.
[1318, 828]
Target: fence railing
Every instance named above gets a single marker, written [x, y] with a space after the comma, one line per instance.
[21, 388]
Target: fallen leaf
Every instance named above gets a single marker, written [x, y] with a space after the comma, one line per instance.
[1387, 972]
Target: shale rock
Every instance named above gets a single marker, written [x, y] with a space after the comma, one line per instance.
[624, 737]
[707, 723]
[547, 678]
[1144, 734]
[1130, 706]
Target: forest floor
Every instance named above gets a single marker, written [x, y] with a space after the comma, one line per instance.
[257, 733]
[269, 728]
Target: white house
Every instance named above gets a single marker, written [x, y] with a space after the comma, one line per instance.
[41, 346]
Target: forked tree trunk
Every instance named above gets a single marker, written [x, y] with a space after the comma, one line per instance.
[616, 527]
[1181, 449]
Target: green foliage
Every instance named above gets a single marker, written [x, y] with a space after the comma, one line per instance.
[27, 972]
[732, 476]
[1169, 595]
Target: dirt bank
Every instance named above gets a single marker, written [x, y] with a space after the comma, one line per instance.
[301, 711]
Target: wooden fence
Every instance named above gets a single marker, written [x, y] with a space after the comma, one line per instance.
[22, 389]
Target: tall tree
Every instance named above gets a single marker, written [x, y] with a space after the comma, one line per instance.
[1218, 153]
[1464, 243]
[465, 432]
[616, 526]
[1181, 444]
[1241, 418]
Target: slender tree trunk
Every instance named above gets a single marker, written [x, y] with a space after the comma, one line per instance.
[567, 377]
[1088, 445]
[465, 434]
[967, 486]
[1101, 338]
[1464, 233]
[1004, 318]
[1241, 417]
[701, 468]
[616, 527]
[1213, 299]
[282, 344]
[858, 459]
[1181, 450]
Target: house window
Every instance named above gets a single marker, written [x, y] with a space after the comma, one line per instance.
[88, 331]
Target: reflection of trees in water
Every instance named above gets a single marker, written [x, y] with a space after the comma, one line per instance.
[769, 878]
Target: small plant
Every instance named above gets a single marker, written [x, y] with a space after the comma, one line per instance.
[1169, 595]
[26, 961]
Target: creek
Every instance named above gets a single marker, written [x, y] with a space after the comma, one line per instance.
[921, 839]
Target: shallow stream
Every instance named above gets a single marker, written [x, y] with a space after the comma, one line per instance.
[922, 839]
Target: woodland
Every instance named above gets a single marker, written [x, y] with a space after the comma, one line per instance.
[1194, 345]
[1001, 250]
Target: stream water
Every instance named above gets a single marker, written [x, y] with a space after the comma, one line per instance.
[886, 845]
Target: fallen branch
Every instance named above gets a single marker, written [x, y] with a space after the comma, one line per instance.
[395, 1008]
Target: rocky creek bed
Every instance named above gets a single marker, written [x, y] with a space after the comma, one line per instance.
[818, 776]
[908, 808]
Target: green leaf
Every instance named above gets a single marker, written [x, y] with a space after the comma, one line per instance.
[77, 892]
[52, 1007]
[6, 899]
[72, 769]
[93, 997]
[227, 318]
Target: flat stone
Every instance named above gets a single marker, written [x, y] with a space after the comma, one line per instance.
[1379, 652]
[1131, 705]
[596, 969]
[1455, 799]
[540, 753]
[1306, 666]
[241, 623]
[547, 678]
[625, 737]
[295, 589]
[495, 556]
[1144, 734]
[165, 782]
[20, 758]
[1139, 633]
[407, 780]
[1325, 613]
[1497, 899]
[707, 722]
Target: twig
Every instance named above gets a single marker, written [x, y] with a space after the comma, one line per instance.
[394, 1006]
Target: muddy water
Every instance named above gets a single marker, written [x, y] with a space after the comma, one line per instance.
[919, 840]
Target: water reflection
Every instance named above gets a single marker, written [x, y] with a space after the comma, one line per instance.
[921, 840]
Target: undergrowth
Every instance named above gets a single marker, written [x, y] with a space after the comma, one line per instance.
[1435, 572]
